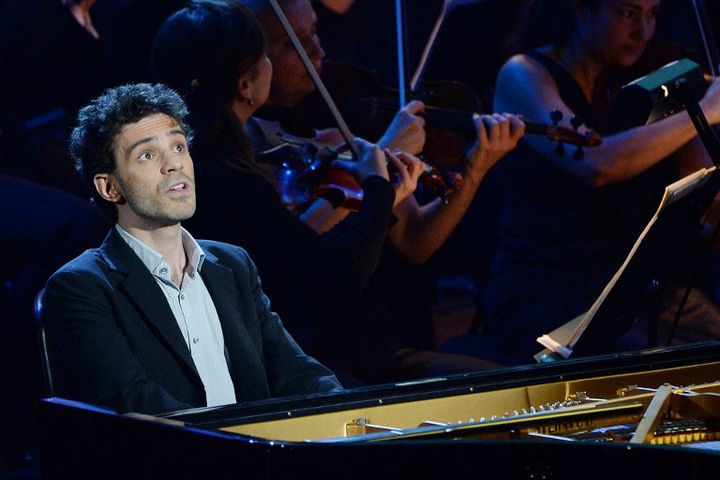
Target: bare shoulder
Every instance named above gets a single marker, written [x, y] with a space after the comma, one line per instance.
[521, 68]
[525, 86]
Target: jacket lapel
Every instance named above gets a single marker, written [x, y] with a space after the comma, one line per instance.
[244, 359]
[142, 291]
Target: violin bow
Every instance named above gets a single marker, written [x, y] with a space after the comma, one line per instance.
[401, 28]
[447, 7]
[706, 36]
[342, 125]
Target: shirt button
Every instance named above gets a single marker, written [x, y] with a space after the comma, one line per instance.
[182, 296]
[196, 340]
[163, 271]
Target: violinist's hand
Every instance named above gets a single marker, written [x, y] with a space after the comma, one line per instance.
[497, 135]
[371, 162]
[711, 102]
[80, 10]
[409, 168]
[329, 136]
[407, 130]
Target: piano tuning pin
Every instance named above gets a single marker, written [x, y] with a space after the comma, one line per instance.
[560, 150]
[494, 417]
[506, 415]
[556, 116]
[472, 420]
[516, 413]
[542, 409]
[524, 411]
[482, 419]
[532, 410]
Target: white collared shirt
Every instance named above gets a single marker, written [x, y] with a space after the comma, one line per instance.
[194, 313]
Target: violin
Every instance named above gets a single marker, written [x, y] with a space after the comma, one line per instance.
[369, 107]
[304, 171]
[462, 120]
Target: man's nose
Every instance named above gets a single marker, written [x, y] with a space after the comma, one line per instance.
[315, 50]
[172, 163]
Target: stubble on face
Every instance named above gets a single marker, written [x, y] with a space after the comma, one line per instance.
[155, 173]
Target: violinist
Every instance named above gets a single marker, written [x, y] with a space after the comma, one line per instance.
[214, 52]
[419, 231]
[567, 222]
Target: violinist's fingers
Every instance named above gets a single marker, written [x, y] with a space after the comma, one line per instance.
[503, 126]
[371, 162]
[414, 165]
[492, 127]
[480, 127]
[407, 115]
[710, 102]
[363, 144]
[400, 167]
[407, 175]
[414, 106]
[347, 165]
[329, 136]
[517, 126]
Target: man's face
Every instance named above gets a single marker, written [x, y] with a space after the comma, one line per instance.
[621, 29]
[154, 173]
[291, 81]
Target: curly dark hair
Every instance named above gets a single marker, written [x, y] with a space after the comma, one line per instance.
[92, 143]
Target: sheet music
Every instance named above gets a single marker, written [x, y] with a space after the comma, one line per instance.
[562, 340]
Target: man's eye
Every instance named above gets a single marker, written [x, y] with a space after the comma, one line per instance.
[146, 156]
[179, 148]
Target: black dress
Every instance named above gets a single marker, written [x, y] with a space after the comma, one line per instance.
[560, 241]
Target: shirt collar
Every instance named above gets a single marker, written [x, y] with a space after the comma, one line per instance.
[155, 262]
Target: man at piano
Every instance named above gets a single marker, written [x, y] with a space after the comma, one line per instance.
[153, 320]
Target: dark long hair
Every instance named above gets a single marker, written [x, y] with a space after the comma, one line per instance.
[201, 51]
[553, 22]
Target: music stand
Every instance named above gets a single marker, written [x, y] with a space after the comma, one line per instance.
[664, 91]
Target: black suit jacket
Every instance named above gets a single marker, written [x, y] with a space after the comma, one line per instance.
[120, 346]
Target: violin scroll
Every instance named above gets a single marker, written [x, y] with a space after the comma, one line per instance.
[565, 135]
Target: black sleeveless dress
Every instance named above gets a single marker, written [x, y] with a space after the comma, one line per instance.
[560, 241]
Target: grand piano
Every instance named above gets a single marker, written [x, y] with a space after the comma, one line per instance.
[625, 415]
[645, 414]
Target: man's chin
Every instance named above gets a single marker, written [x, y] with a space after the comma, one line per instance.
[174, 218]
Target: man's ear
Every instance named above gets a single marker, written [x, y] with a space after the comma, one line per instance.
[107, 187]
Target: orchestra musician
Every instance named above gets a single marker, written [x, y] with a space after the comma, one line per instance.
[405, 278]
[214, 52]
[568, 222]
[419, 230]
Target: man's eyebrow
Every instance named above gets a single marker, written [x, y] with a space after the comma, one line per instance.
[176, 131]
[142, 141]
